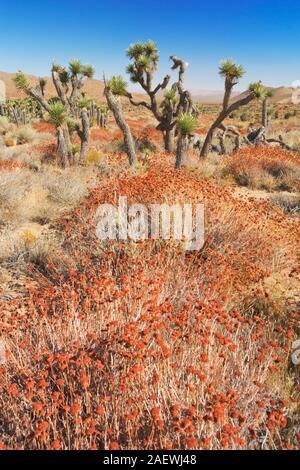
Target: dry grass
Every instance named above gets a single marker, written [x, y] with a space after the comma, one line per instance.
[264, 168]
[289, 203]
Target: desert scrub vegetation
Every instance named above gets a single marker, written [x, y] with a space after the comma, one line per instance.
[34, 199]
[289, 203]
[122, 345]
[264, 168]
[83, 380]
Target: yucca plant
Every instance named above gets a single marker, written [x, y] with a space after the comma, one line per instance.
[265, 111]
[229, 69]
[42, 84]
[75, 66]
[57, 114]
[21, 81]
[84, 102]
[117, 85]
[257, 89]
[232, 73]
[186, 126]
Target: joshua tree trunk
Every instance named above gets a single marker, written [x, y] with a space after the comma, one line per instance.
[115, 106]
[84, 134]
[180, 151]
[265, 119]
[169, 140]
[67, 138]
[62, 149]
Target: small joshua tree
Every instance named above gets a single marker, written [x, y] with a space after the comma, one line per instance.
[232, 73]
[265, 116]
[144, 63]
[58, 117]
[67, 82]
[42, 84]
[186, 126]
[113, 90]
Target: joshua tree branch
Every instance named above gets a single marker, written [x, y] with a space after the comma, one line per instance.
[223, 115]
[60, 88]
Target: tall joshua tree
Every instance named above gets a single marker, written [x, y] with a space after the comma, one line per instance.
[186, 125]
[232, 74]
[113, 90]
[265, 116]
[144, 63]
[67, 82]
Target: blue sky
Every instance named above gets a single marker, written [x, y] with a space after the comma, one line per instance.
[263, 35]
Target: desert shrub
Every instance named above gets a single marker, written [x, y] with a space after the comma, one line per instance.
[5, 125]
[268, 168]
[94, 157]
[13, 187]
[94, 353]
[25, 134]
[65, 190]
[145, 145]
[10, 141]
[245, 117]
[290, 204]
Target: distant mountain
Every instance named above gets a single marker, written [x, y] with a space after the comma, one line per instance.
[209, 96]
[282, 95]
[94, 89]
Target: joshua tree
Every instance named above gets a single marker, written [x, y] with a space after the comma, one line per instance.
[42, 84]
[265, 116]
[186, 125]
[232, 73]
[144, 63]
[83, 131]
[67, 83]
[58, 117]
[113, 90]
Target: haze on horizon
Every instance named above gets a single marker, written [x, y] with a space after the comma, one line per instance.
[264, 38]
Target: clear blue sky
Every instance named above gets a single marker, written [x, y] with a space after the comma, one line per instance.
[262, 35]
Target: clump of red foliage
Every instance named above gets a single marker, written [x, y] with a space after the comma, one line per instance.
[251, 162]
[145, 346]
[10, 165]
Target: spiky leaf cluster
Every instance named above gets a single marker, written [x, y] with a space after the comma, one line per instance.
[57, 114]
[75, 70]
[258, 89]
[117, 85]
[21, 81]
[144, 58]
[186, 124]
[84, 102]
[230, 70]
